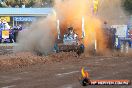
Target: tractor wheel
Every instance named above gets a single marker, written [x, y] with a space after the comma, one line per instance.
[80, 49]
[56, 48]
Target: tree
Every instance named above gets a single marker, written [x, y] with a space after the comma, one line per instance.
[128, 5]
[28, 3]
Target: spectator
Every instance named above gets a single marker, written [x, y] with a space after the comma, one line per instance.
[2, 25]
[20, 27]
[11, 35]
[16, 30]
[6, 25]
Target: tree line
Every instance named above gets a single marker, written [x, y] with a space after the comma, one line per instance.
[27, 3]
[128, 5]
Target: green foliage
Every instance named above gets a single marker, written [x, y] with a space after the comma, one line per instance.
[128, 5]
[28, 3]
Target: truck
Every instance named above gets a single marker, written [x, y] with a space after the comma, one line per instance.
[123, 38]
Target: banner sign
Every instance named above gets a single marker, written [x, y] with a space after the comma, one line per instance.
[7, 18]
[5, 34]
[29, 19]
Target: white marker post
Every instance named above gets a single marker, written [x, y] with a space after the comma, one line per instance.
[83, 29]
[58, 23]
[58, 28]
[95, 43]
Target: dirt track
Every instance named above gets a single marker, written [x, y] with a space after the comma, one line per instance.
[61, 70]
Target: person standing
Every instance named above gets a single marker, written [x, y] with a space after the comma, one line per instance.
[11, 35]
[15, 33]
[0, 31]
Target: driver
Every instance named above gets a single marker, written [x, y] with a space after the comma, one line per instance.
[71, 33]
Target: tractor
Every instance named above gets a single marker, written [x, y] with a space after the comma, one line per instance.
[70, 42]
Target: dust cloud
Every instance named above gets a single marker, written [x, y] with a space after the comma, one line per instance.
[39, 37]
[113, 12]
[42, 34]
[70, 13]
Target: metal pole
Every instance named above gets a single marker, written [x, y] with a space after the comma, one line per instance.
[58, 28]
[16, 23]
[58, 23]
[95, 45]
[83, 29]
[13, 21]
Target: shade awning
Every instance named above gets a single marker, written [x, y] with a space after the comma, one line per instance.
[25, 11]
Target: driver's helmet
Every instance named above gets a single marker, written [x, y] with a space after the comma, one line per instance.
[70, 30]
